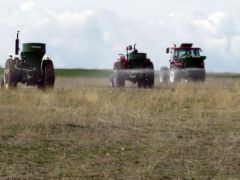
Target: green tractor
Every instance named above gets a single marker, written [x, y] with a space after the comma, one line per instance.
[134, 67]
[33, 68]
[186, 64]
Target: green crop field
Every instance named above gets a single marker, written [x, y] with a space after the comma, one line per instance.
[78, 73]
[82, 73]
[101, 73]
[105, 73]
[84, 129]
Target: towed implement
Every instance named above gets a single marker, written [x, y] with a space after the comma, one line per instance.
[186, 64]
[32, 68]
[134, 67]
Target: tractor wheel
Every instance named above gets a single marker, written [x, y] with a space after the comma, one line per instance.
[202, 76]
[140, 83]
[118, 75]
[198, 75]
[174, 75]
[9, 79]
[148, 78]
[48, 78]
[2, 82]
[164, 75]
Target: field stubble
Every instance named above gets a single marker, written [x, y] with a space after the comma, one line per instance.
[85, 129]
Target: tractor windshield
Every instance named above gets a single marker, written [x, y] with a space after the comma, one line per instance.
[187, 52]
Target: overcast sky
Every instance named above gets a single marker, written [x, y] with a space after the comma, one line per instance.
[90, 33]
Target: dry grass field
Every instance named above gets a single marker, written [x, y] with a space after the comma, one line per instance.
[84, 129]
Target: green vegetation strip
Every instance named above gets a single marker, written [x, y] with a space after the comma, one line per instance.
[106, 73]
[82, 73]
[79, 72]
[223, 75]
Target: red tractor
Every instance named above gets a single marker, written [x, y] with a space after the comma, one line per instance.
[134, 67]
[186, 63]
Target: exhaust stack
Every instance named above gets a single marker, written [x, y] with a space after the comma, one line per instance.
[17, 45]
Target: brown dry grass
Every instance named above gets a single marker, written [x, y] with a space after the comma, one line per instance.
[87, 130]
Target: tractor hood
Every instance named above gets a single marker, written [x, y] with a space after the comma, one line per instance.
[137, 59]
[34, 47]
[33, 54]
[190, 58]
[193, 62]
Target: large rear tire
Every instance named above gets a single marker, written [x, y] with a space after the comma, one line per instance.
[2, 82]
[118, 75]
[195, 75]
[48, 76]
[148, 81]
[201, 76]
[140, 83]
[9, 79]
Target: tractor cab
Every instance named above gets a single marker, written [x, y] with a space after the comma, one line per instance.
[186, 56]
